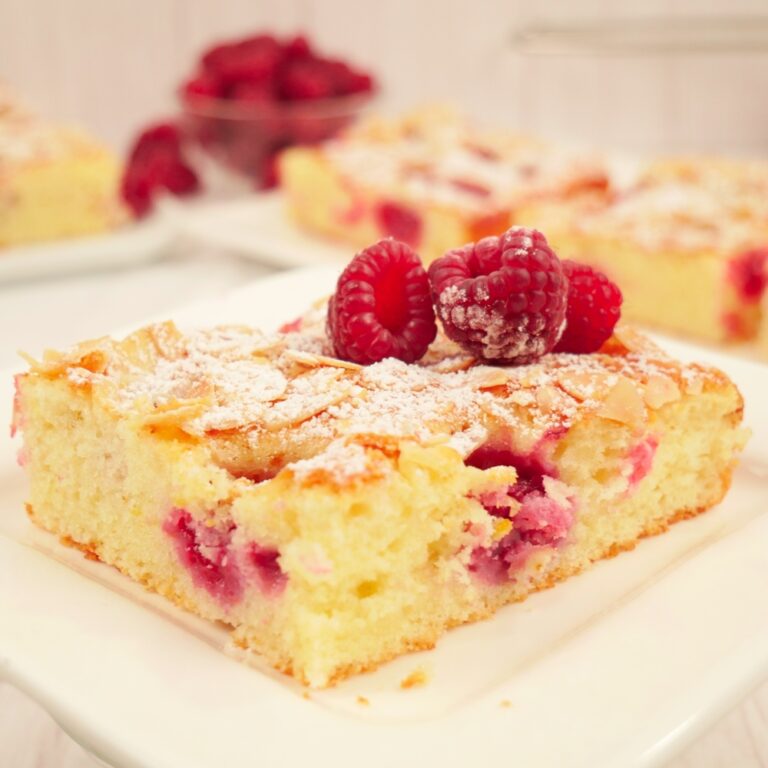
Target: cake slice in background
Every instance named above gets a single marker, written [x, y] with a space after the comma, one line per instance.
[687, 244]
[55, 181]
[430, 179]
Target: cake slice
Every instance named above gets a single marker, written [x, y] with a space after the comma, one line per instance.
[334, 515]
[55, 181]
[430, 179]
[689, 253]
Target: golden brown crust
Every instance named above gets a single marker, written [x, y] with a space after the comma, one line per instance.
[89, 550]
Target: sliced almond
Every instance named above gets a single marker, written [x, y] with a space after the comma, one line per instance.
[660, 390]
[308, 395]
[549, 398]
[485, 377]
[580, 385]
[174, 412]
[311, 360]
[624, 404]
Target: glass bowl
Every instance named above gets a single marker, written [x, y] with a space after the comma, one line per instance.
[244, 138]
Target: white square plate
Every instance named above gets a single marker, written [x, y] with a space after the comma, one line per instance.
[135, 243]
[256, 226]
[619, 666]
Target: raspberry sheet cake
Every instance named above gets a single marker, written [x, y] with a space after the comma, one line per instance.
[688, 244]
[346, 489]
[430, 179]
[55, 181]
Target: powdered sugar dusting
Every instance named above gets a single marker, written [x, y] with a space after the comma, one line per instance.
[235, 388]
[450, 162]
[341, 462]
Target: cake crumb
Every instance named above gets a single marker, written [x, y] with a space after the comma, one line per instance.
[305, 695]
[505, 703]
[416, 679]
[363, 702]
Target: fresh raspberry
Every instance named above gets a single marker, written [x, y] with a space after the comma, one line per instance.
[306, 79]
[298, 48]
[270, 175]
[382, 306]
[594, 308]
[136, 192]
[503, 298]
[253, 59]
[253, 92]
[205, 85]
[347, 80]
[156, 163]
[360, 82]
[180, 180]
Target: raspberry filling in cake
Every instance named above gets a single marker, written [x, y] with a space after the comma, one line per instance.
[746, 277]
[216, 565]
[538, 508]
[640, 461]
[748, 274]
[399, 221]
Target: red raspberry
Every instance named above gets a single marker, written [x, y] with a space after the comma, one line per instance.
[382, 306]
[156, 163]
[502, 298]
[360, 82]
[255, 59]
[205, 85]
[136, 192]
[594, 308]
[270, 175]
[298, 48]
[306, 79]
[179, 179]
[253, 92]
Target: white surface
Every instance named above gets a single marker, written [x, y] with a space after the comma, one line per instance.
[132, 245]
[256, 227]
[618, 666]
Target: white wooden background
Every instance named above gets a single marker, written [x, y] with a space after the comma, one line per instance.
[114, 64]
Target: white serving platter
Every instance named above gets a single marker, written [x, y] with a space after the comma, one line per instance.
[134, 244]
[620, 666]
[256, 227]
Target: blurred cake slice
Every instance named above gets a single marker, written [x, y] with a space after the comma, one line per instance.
[687, 245]
[430, 179]
[55, 181]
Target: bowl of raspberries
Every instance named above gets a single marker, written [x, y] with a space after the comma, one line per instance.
[250, 98]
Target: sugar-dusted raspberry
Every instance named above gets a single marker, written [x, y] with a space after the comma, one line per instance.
[594, 308]
[382, 306]
[502, 298]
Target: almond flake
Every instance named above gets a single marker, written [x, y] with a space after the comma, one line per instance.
[624, 404]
